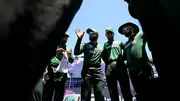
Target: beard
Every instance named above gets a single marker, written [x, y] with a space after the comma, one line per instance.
[127, 34]
[110, 38]
[93, 38]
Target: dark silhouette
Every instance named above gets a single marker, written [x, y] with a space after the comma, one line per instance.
[28, 37]
[30, 31]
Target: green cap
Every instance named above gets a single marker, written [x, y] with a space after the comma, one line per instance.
[109, 29]
[91, 31]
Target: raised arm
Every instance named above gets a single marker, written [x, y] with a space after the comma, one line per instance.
[79, 48]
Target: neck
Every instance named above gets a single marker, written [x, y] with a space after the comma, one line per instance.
[131, 38]
[112, 39]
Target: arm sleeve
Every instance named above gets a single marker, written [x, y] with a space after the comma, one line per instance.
[79, 48]
[103, 54]
[140, 45]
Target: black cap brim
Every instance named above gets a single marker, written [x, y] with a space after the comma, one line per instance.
[128, 24]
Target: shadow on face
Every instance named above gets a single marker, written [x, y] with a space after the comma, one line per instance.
[109, 35]
[128, 31]
[93, 37]
[64, 39]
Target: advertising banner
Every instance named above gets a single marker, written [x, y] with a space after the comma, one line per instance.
[74, 95]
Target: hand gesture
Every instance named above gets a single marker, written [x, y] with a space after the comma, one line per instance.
[79, 33]
[68, 53]
[60, 50]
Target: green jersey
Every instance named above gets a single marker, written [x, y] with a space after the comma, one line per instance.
[112, 49]
[92, 54]
[135, 52]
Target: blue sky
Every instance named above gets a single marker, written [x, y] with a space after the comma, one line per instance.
[100, 14]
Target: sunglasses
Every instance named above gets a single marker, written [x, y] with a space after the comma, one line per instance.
[125, 29]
